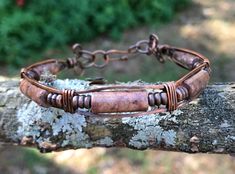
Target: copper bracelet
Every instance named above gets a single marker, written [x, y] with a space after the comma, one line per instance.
[124, 100]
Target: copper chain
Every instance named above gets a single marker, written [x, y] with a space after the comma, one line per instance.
[86, 59]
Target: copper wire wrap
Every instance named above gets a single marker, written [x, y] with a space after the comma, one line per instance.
[171, 96]
[67, 98]
[168, 97]
[69, 101]
[112, 99]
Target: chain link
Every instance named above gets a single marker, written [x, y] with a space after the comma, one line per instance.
[86, 59]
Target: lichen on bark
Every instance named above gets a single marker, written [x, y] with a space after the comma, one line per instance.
[204, 125]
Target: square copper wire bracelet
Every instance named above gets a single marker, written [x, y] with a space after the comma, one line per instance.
[119, 99]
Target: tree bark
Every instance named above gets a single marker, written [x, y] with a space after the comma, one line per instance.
[205, 125]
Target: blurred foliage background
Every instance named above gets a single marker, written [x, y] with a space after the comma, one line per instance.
[32, 27]
[36, 30]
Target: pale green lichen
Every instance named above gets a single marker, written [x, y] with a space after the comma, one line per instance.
[214, 142]
[148, 130]
[225, 124]
[33, 119]
[71, 84]
[230, 137]
[68, 122]
[107, 141]
[27, 115]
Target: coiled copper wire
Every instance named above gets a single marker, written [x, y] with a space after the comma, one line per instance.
[171, 95]
[67, 97]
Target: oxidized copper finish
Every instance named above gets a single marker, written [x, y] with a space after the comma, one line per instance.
[157, 99]
[196, 83]
[182, 93]
[119, 101]
[185, 60]
[34, 93]
[119, 98]
[68, 100]
[163, 98]
[33, 75]
[82, 101]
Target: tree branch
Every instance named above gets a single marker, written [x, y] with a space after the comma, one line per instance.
[205, 125]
